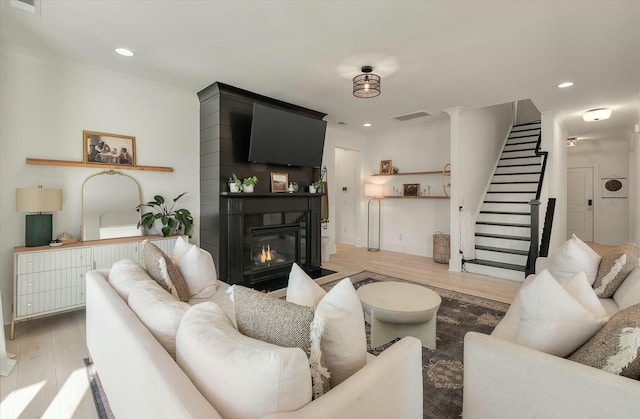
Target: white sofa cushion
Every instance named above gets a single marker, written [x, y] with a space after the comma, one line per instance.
[282, 323]
[159, 311]
[572, 257]
[242, 377]
[197, 268]
[628, 294]
[344, 340]
[123, 276]
[551, 319]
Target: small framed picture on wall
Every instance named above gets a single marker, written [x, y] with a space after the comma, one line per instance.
[614, 187]
[113, 149]
[279, 182]
[385, 167]
[410, 189]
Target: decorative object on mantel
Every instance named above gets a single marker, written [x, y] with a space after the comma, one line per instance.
[235, 184]
[367, 84]
[385, 167]
[375, 192]
[112, 149]
[291, 188]
[66, 238]
[249, 183]
[319, 183]
[394, 170]
[279, 182]
[172, 221]
[39, 227]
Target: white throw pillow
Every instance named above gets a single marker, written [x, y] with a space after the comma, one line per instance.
[124, 274]
[181, 247]
[572, 257]
[159, 311]
[628, 294]
[242, 377]
[551, 320]
[578, 287]
[199, 272]
[344, 340]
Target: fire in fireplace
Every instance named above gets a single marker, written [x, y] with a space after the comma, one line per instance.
[272, 250]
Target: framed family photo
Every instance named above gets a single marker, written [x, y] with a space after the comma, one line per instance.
[279, 182]
[112, 149]
[410, 189]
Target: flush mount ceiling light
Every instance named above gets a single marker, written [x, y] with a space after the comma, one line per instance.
[572, 142]
[599, 114]
[124, 52]
[565, 84]
[366, 124]
[367, 84]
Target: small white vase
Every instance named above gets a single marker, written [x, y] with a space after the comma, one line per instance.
[312, 189]
[233, 187]
[247, 188]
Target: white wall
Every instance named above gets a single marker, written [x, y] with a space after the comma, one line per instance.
[609, 158]
[478, 137]
[554, 185]
[408, 225]
[45, 105]
[347, 191]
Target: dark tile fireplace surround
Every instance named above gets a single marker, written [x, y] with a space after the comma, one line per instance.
[244, 230]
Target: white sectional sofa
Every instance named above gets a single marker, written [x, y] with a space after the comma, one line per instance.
[503, 379]
[142, 380]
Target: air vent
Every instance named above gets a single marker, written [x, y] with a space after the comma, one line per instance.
[411, 116]
[31, 6]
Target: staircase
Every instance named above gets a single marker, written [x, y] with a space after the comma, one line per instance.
[503, 226]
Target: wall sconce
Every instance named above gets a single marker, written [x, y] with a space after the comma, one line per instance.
[572, 142]
[39, 227]
[374, 191]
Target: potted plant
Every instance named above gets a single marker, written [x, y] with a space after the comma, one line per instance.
[235, 184]
[248, 183]
[172, 220]
[317, 185]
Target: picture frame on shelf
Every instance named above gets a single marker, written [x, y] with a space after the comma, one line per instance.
[101, 148]
[410, 189]
[279, 182]
[386, 167]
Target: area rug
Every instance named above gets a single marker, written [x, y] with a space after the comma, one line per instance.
[442, 368]
[99, 397]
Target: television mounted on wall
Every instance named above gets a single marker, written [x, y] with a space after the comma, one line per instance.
[286, 138]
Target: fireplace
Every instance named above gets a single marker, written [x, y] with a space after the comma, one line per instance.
[265, 234]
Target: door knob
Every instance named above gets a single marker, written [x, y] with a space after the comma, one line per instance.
[590, 202]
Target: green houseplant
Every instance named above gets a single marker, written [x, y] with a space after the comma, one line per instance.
[235, 184]
[176, 220]
[248, 183]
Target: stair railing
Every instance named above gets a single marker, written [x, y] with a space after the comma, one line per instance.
[534, 250]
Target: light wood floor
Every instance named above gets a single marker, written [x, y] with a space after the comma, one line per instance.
[49, 380]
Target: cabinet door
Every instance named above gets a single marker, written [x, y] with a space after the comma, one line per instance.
[50, 291]
[106, 255]
[51, 260]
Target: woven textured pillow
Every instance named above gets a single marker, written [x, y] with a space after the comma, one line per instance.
[284, 324]
[161, 268]
[614, 267]
[616, 347]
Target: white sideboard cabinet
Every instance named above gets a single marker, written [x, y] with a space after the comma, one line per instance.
[51, 280]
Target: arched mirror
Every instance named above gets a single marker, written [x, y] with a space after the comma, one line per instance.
[109, 201]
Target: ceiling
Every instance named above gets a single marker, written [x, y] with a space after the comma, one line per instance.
[431, 55]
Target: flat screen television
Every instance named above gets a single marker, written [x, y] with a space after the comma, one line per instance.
[286, 138]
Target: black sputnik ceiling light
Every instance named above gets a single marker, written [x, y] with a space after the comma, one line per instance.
[367, 84]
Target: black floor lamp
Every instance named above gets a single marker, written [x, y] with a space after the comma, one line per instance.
[374, 191]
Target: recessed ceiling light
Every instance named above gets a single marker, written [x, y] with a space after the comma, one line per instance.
[366, 125]
[124, 52]
[599, 114]
[565, 84]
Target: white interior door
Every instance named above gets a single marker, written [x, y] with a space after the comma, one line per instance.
[580, 202]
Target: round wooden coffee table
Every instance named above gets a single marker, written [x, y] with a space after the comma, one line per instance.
[398, 309]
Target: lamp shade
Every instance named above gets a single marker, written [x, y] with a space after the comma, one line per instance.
[38, 200]
[373, 189]
[367, 84]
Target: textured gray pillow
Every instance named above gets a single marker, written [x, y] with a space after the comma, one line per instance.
[614, 267]
[616, 347]
[284, 324]
[161, 268]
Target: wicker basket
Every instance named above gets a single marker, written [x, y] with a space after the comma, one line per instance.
[441, 250]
